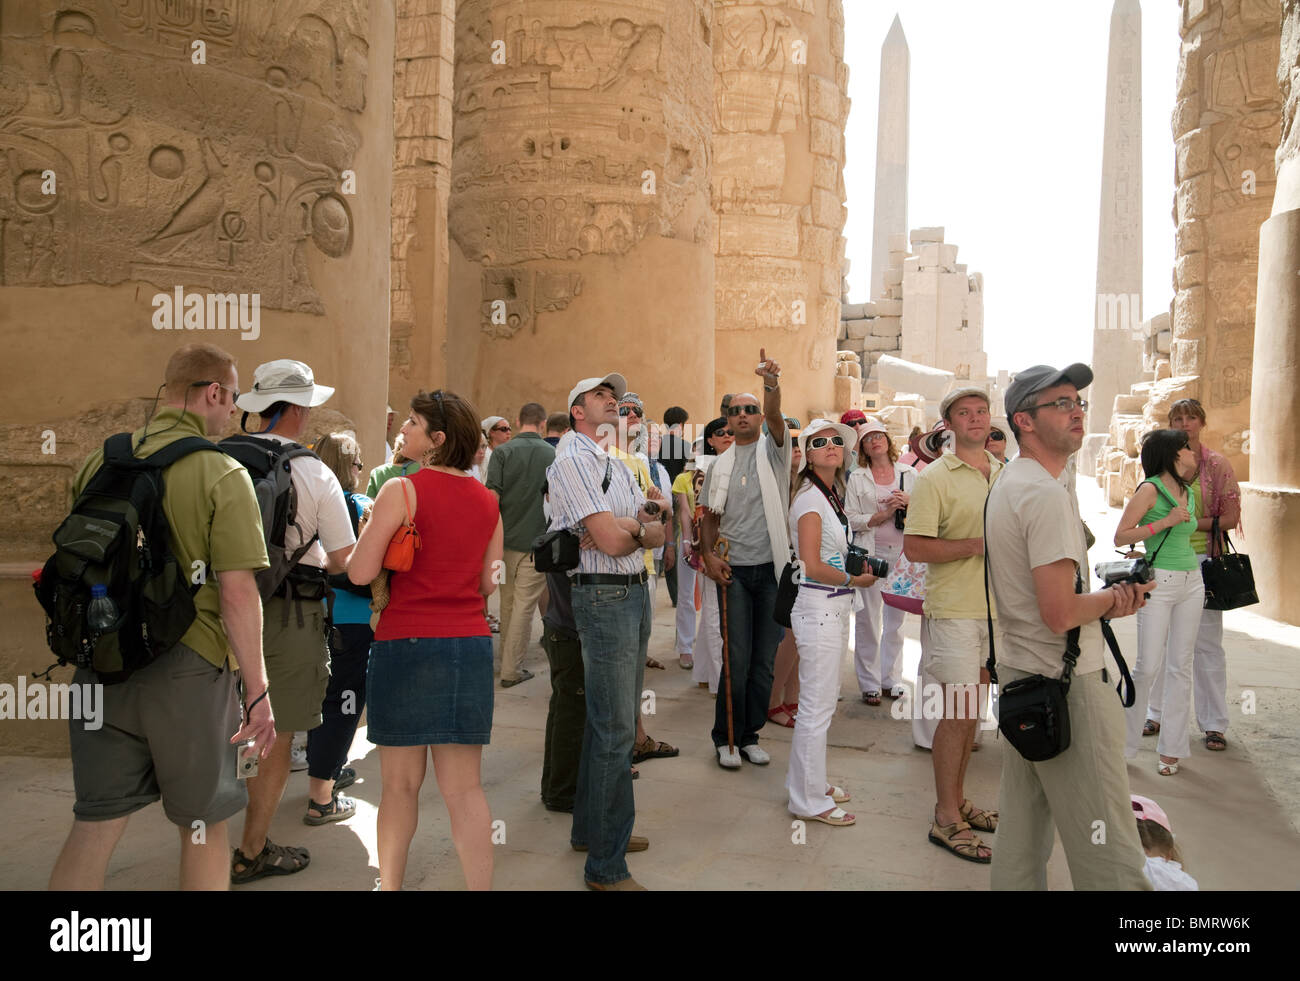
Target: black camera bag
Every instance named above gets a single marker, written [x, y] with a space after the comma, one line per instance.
[558, 550]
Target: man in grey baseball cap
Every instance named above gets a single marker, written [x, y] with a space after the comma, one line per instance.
[1037, 563]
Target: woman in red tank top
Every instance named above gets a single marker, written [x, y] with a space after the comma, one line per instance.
[429, 681]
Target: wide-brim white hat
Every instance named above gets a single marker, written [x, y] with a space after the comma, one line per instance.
[285, 380]
[819, 426]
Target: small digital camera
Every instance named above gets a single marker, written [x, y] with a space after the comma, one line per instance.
[247, 764]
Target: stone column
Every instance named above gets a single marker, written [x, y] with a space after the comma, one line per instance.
[1117, 333]
[422, 128]
[778, 190]
[235, 155]
[1271, 501]
[581, 236]
[1226, 131]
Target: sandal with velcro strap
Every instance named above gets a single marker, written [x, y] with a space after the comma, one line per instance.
[273, 859]
[945, 836]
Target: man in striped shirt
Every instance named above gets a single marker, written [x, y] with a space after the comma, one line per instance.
[595, 496]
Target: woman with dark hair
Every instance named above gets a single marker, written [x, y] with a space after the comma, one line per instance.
[878, 494]
[345, 697]
[1217, 496]
[1160, 514]
[820, 536]
[430, 678]
[717, 437]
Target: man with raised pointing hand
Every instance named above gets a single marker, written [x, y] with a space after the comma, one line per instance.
[746, 496]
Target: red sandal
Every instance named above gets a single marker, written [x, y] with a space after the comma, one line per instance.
[772, 714]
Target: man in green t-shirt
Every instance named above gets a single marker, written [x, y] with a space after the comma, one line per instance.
[169, 728]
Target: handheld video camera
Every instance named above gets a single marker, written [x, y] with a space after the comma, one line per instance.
[1136, 571]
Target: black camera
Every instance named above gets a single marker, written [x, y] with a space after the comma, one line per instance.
[1136, 571]
[900, 518]
[858, 561]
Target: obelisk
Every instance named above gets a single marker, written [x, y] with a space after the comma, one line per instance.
[891, 151]
[1116, 338]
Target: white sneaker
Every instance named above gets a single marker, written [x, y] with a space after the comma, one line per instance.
[728, 758]
[756, 754]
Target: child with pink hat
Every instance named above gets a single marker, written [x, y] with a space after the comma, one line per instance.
[1164, 866]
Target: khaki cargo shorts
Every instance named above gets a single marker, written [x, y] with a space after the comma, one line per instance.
[297, 662]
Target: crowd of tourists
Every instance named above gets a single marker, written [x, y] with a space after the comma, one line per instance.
[785, 548]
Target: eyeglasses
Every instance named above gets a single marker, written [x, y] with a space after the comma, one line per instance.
[818, 442]
[234, 392]
[871, 436]
[358, 466]
[629, 410]
[1064, 404]
[735, 410]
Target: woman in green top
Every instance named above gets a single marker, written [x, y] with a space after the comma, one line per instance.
[1161, 515]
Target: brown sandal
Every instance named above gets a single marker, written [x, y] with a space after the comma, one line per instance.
[978, 818]
[1150, 727]
[944, 835]
[651, 749]
[273, 859]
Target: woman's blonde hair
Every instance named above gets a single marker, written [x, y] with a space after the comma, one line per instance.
[340, 452]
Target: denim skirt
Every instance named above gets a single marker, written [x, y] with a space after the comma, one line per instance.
[428, 691]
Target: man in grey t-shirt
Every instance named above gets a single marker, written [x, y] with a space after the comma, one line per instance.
[758, 548]
[1035, 548]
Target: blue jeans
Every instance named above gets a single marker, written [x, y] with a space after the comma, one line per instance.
[614, 625]
[752, 639]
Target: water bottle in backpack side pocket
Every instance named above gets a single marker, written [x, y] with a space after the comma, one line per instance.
[102, 614]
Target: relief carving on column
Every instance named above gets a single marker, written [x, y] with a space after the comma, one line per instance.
[220, 175]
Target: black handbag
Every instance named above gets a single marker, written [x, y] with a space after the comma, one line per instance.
[787, 591]
[1229, 581]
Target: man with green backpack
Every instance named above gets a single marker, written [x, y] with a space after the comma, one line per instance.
[150, 591]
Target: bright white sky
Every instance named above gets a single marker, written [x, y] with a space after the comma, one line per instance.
[1007, 117]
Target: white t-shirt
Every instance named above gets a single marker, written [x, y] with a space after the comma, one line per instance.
[835, 543]
[1167, 876]
[321, 509]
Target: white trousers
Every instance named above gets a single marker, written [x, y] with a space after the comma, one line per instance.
[708, 653]
[1167, 628]
[821, 630]
[686, 612]
[1209, 676]
[878, 639]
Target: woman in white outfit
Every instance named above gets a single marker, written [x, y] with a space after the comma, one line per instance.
[820, 535]
[877, 491]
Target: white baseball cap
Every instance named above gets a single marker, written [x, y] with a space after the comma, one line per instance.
[614, 380]
[283, 381]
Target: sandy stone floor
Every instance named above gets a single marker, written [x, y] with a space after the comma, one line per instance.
[715, 829]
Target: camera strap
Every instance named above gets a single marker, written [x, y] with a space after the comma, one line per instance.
[1071, 656]
[836, 505]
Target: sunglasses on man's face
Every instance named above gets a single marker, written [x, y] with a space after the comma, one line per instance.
[820, 442]
[735, 410]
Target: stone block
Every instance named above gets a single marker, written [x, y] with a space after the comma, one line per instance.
[900, 419]
[1130, 476]
[847, 393]
[852, 344]
[938, 256]
[824, 99]
[759, 235]
[1190, 236]
[1189, 270]
[893, 278]
[1187, 357]
[1163, 369]
[1128, 405]
[874, 343]
[1189, 312]
[887, 327]
[857, 311]
[1165, 393]
[1114, 490]
[857, 329]
[818, 244]
[1192, 152]
[889, 308]
[1114, 459]
[842, 331]
[1195, 197]
[926, 235]
[1090, 452]
[827, 139]
[1164, 341]
[1186, 116]
[826, 209]
[898, 242]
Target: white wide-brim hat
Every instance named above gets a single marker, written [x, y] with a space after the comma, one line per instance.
[818, 426]
[285, 380]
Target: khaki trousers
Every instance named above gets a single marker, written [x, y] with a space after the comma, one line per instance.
[520, 591]
[1084, 793]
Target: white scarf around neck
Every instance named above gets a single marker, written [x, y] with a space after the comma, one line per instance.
[720, 481]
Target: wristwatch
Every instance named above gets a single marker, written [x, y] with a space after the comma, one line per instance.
[640, 531]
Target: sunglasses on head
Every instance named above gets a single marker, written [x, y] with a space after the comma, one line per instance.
[857, 422]
[735, 410]
[819, 442]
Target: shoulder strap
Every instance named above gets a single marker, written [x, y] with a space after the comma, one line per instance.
[1124, 687]
[1168, 531]
[172, 452]
[609, 472]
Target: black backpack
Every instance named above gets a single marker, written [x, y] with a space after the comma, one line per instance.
[267, 463]
[117, 536]
[340, 580]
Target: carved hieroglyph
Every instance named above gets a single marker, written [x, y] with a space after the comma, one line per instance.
[780, 106]
[582, 135]
[220, 175]
[1226, 126]
[1116, 337]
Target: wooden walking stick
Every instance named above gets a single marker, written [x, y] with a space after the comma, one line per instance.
[723, 551]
